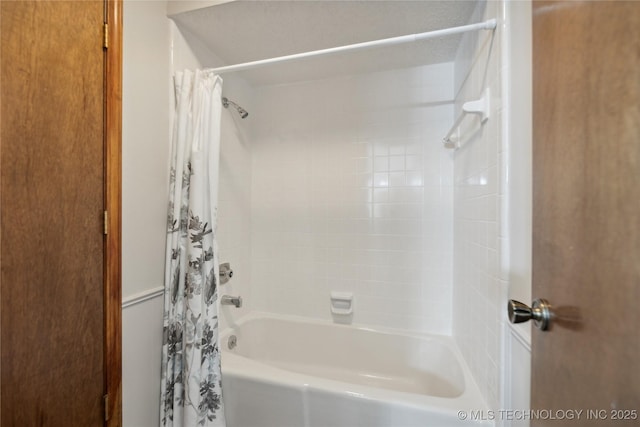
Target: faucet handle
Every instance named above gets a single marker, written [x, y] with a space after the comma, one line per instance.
[226, 273]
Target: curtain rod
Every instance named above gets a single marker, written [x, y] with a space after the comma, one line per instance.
[486, 25]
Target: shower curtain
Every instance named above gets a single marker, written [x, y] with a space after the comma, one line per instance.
[191, 380]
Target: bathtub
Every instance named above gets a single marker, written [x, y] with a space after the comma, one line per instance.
[290, 372]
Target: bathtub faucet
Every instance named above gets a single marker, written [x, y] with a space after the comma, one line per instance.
[229, 300]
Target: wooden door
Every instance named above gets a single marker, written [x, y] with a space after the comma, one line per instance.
[57, 361]
[586, 209]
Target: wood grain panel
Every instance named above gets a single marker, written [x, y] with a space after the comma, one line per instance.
[586, 201]
[113, 265]
[52, 199]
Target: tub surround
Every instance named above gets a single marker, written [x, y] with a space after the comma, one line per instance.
[352, 186]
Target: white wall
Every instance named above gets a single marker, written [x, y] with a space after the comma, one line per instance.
[234, 199]
[492, 203]
[146, 134]
[480, 241]
[233, 231]
[517, 82]
[153, 50]
[180, 6]
[145, 152]
[352, 192]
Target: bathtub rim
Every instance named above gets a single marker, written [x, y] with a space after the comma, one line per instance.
[250, 369]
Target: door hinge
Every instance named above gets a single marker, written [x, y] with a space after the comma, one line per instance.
[105, 398]
[105, 38]
[106, 222]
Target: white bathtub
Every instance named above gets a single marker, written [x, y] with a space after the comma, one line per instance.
[289, 372]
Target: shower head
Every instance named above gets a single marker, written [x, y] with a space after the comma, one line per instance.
[243, 113]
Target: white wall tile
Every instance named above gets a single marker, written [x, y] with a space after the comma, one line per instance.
[477, 197]
[344, 162]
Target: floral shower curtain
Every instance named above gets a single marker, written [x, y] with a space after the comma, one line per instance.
[191, 379]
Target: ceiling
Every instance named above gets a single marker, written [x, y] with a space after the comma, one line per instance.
[242, 31]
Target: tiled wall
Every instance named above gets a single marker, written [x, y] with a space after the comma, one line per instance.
[234, 198]
[479, 232]
[352, 191]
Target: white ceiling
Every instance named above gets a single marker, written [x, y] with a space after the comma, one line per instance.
[242, 31]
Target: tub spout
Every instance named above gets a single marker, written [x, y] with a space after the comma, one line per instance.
[229, 300]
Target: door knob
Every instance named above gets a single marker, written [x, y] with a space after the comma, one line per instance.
[540, 312]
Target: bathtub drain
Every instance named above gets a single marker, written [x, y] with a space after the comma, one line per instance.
[232, 342]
